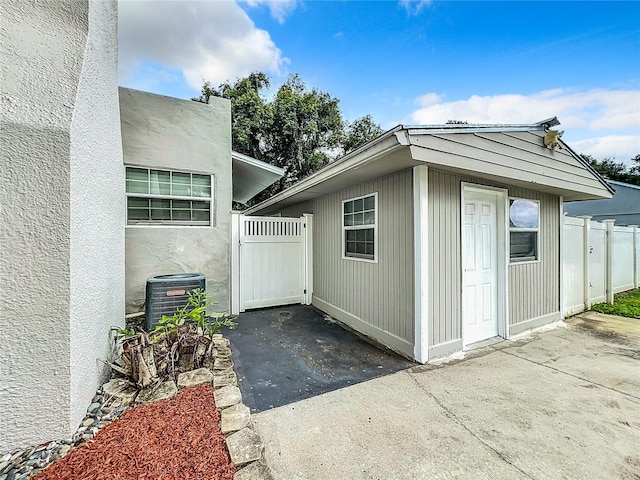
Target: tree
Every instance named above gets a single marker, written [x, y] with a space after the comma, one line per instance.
[617, 171]
[205, 93]
[306, 128]
[300, 130]
[635, 168]
[250, 112]
[359, 132]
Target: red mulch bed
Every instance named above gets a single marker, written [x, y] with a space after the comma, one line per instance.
[178, 438]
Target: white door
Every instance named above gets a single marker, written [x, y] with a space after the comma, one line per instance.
[480, 267]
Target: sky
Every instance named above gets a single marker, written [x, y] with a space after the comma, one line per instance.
[408, 62]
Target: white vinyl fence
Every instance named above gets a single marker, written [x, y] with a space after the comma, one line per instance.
[271, 261]
[599, 259]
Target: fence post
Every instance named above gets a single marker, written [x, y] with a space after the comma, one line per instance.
[236, 223]
[636, 240]
[608, 224]
[308, 256]
[563, 216]
[586, 247]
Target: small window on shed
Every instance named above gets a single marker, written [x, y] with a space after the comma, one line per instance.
[359, 224]
[524, 230]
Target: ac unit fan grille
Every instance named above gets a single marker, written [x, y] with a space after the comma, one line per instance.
[166, 293]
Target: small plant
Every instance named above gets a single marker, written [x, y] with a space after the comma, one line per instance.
[181, 342]
[193, 316]
[214, 324]
[122, 332]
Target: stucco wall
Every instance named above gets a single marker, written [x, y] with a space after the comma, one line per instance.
[41, 51]
[97, 210]
[163, 132]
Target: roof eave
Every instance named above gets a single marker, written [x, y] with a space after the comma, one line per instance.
[387, 142]
[251, 176]
[588, 167]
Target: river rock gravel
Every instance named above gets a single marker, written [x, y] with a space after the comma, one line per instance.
[24, 463]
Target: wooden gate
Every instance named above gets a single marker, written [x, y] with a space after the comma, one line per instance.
[271, 261]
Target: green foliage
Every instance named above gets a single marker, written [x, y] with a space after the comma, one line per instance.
[305, 127]
[123, 332]
[205, 94]
[359, 132]
[625, 304]
[298, 129]
[193, 317]
[617, 171]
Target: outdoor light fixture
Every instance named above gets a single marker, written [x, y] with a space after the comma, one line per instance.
[552, 139]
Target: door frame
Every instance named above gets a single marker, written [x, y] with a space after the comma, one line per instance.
[502, 249]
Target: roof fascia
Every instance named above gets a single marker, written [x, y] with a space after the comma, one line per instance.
[473, 129]
[257, 163]
[623, 184]
[588, 167]
[386, 143]
[479, 127]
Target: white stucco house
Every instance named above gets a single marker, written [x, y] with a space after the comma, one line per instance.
[181, 178]
[98, 192]
[61, 209]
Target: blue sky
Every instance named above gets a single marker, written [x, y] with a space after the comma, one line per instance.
[410, 62]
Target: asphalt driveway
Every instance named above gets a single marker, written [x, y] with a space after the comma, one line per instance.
[286, 354]
[561, 403]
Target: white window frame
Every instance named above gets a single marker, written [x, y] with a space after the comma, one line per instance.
[170, 223]
[373, 226]
[513, 261]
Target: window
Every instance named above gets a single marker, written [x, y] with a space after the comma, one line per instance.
[164, 197]
[359, 222]
[524, 229]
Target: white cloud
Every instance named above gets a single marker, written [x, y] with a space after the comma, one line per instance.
[214, 40]
[596, 109]
[429, 99]
[583, 113]
[414, 7]
[622, 148]
[279, 9]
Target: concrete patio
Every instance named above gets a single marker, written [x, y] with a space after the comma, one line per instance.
[563, 402]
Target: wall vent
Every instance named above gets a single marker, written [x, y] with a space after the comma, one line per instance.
[166, 293]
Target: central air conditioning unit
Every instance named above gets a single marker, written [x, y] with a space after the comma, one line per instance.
[166, 293]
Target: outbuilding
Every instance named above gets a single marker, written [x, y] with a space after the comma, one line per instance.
[437, 239]
[624, 207]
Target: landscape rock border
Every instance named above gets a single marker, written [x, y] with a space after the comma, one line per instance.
[116, 396]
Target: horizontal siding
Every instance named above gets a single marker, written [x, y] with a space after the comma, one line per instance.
[508, 155]
[557, 159]
[380, 294]
[534, 288]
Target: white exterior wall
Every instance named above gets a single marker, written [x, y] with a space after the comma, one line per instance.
[51, 261]
[97, 210]
[163, 132]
